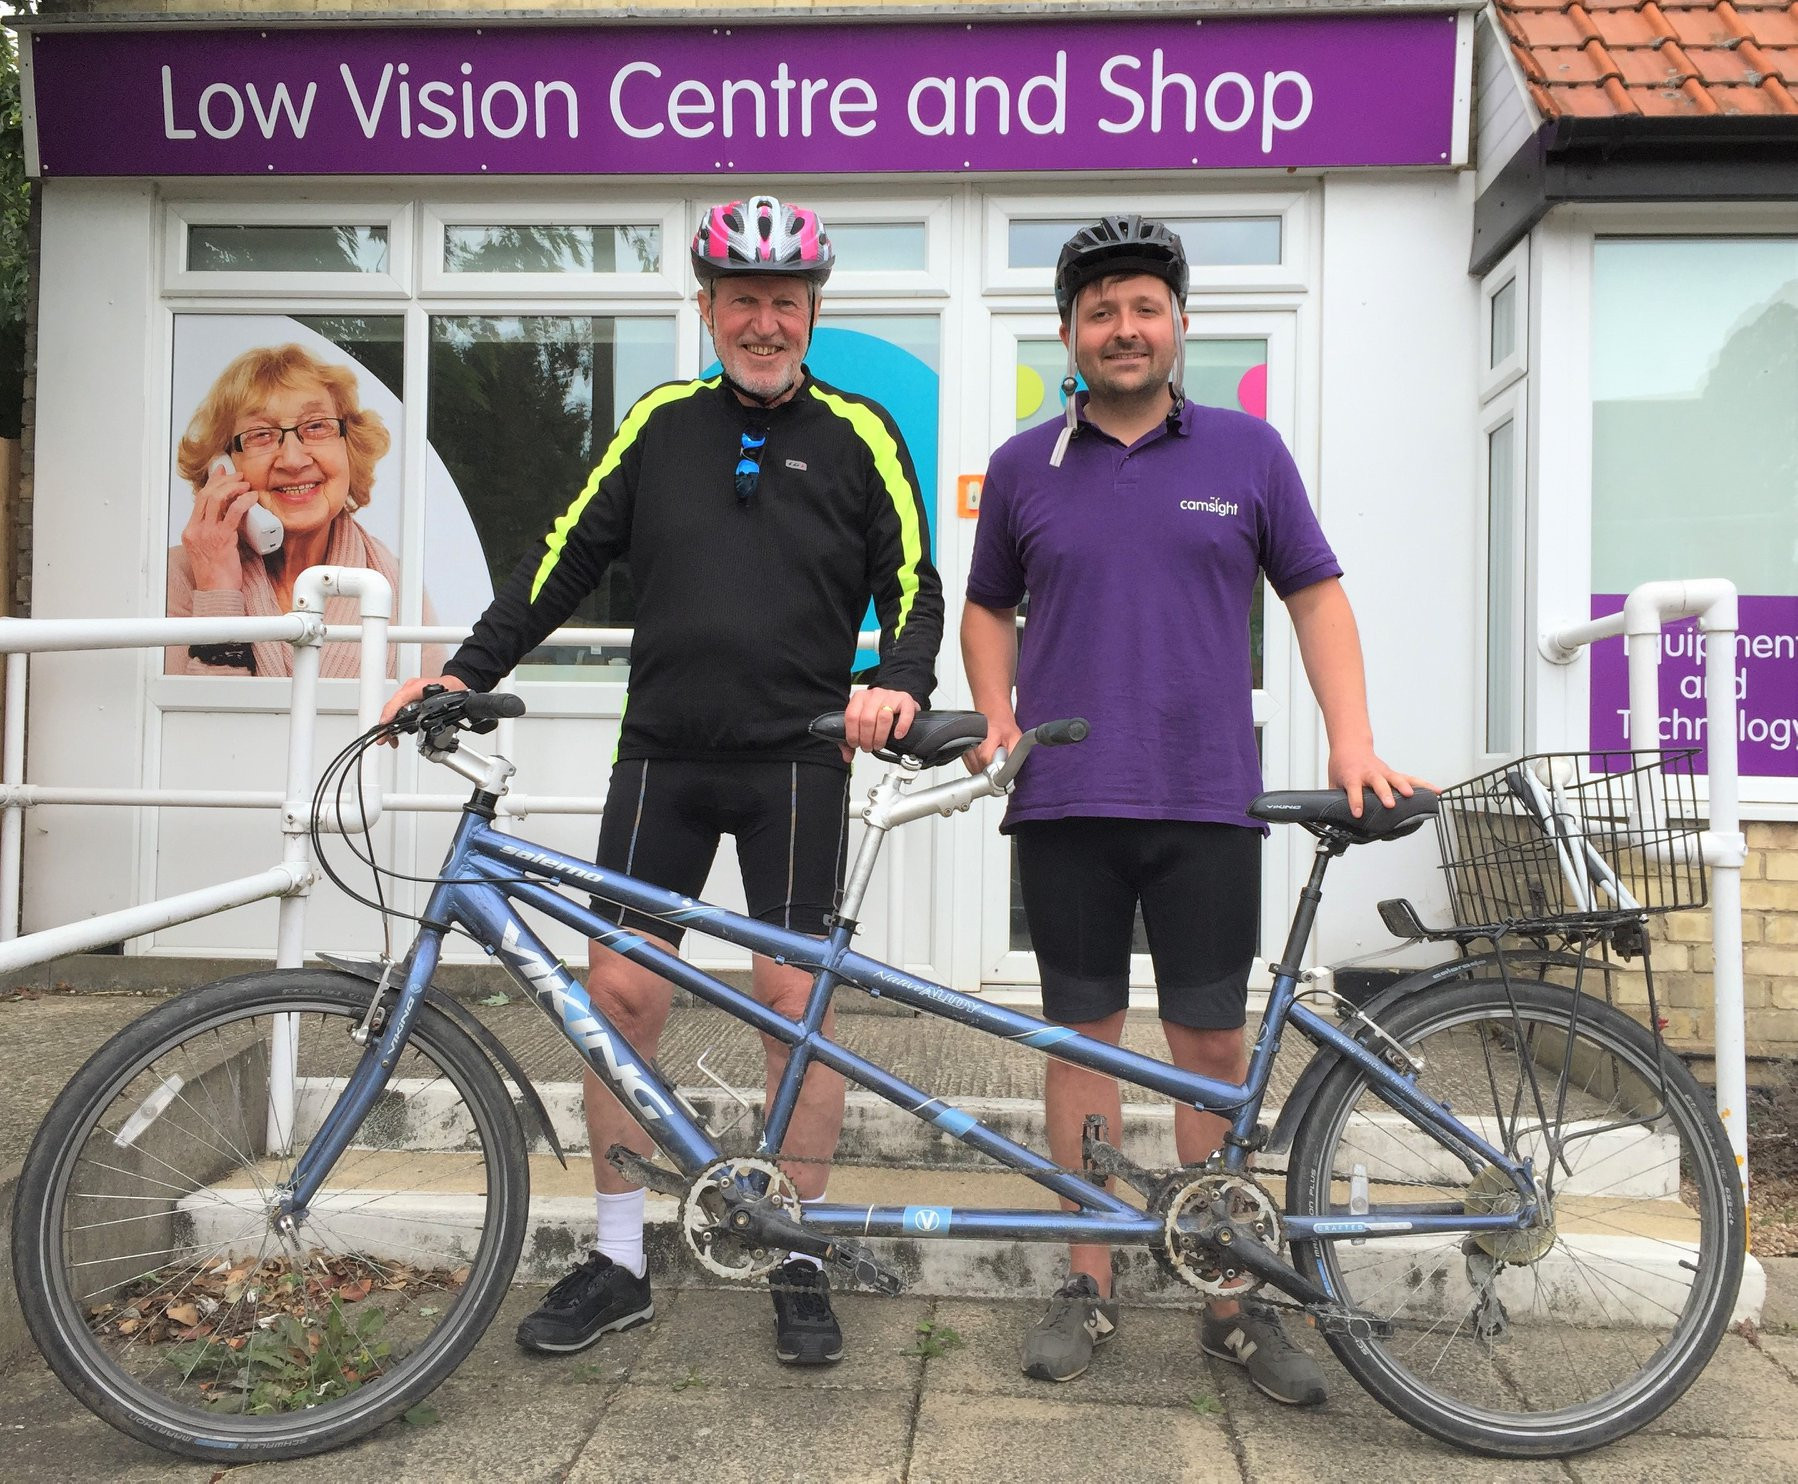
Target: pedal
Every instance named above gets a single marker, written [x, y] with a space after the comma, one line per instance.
[1105, 1161]
[1401, 918]
[861, 1266]
[633, 1166]
[1332, 1321]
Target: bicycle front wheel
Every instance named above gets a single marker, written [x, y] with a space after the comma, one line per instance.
[158, 1286]
[1574, 1333]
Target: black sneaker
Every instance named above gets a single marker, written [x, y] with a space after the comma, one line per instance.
[805, 1331]
[595, 1299]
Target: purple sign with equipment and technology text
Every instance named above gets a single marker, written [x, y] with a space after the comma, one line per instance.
[1766, 687]
[1154, 94]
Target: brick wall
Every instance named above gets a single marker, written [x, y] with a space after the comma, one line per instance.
[1683, 962]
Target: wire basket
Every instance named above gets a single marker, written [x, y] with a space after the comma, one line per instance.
[1561, 839]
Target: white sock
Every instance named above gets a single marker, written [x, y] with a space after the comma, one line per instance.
[621, 1228]
[806, 1257]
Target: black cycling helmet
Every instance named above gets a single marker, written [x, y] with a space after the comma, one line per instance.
[1122, 243]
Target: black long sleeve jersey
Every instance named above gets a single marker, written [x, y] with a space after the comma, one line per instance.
[747, 609]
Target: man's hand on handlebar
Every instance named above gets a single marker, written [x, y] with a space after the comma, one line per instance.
[411, 691]
[999, 733]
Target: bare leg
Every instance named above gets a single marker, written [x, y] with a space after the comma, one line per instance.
[636, 1000]
[1070, 1093]
[1219, 1055]
[817, 1119]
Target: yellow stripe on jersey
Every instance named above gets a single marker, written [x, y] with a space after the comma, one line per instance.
[873, 432]
[625, 436]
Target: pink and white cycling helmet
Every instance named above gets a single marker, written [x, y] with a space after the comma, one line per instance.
[761, 235]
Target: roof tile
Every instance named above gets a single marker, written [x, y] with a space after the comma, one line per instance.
[1662, 58]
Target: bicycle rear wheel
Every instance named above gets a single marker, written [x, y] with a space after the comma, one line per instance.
[162, 1294]
[1573, 1334]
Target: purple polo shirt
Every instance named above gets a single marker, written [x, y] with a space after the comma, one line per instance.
[1140, 564]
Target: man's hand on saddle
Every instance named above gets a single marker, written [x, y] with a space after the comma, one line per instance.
[1359, 769]
[873, 716]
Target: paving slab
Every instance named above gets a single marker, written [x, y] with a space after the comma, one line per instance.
[738, 1435]
[725, 1339]
[1019, 1440]
[1649, 1458]
[1153, 1360]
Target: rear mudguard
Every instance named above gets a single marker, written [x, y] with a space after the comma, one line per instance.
[1517, 960]
[484, 1038]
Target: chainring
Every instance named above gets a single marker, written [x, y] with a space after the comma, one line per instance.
[720, 1250]
[1248, 1204]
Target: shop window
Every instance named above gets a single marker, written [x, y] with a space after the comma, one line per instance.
[329, 485]
[1210, 242]
[224, 247]
[1694, 460]
[510, 248]
[520, 409]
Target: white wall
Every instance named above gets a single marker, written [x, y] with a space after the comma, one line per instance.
[97, 444]
[1396, 410]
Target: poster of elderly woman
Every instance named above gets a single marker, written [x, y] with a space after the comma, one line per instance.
[285, 462]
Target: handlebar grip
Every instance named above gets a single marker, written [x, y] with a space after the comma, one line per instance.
[1060, 733]
[492, 706]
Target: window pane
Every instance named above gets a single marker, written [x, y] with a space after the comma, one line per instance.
[262, 249]
[1694, 464]
[1504, 325]
[878, 247]
[1210, 241]
[1504, 702]
[521, 409]
[1695, 413]
[552, 249]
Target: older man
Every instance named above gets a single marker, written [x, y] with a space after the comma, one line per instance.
[759, 511]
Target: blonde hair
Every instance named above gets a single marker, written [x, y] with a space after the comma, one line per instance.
[256, 374]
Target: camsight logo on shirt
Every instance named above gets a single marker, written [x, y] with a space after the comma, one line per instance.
[1213, 506]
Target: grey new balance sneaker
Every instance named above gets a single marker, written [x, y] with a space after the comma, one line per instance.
[1255, 1340]
[1060, 1345]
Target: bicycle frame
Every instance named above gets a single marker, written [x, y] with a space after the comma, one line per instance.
[486, 871]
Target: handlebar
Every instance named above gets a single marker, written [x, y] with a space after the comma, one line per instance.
[1005, 766]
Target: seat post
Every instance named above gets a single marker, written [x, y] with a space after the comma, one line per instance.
[1304, 917]
[873, 815]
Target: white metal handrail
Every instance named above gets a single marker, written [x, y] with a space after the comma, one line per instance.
[292, 879]
[1725, 847]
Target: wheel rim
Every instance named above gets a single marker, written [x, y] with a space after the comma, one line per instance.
[184, 1302]
[1635, 1252]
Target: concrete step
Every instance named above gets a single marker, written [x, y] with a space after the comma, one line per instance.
[878, 1133]
[416, 1206]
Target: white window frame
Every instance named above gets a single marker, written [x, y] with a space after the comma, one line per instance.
[1513, 268]
[671, 281]
[179, 279]
[929, 212]
[1292, 274]
[1510, 406]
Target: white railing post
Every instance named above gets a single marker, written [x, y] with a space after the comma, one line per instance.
[1713, 602]
[12, 774]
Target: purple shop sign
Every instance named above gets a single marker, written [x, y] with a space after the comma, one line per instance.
[1766, 687]
[1230, 93]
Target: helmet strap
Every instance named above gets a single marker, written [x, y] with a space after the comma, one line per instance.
[1177, 383]
[1069, 382]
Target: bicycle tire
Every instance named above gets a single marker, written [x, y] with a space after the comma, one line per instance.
[144, 1199]
[1644, 1249]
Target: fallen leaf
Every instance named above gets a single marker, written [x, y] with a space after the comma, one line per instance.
[183, 1313]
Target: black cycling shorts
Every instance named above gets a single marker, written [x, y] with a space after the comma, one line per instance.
[664, 817]
[1199, 886]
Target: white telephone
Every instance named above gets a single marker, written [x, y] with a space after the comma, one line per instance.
[262, 529]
